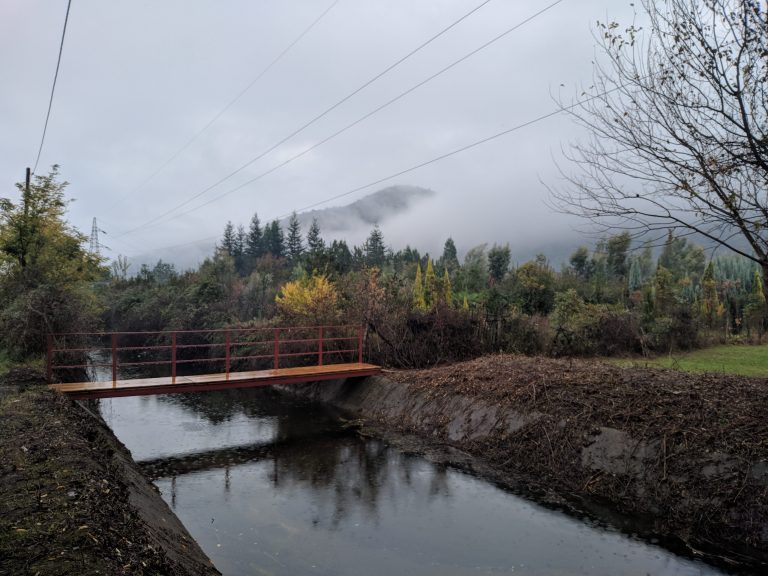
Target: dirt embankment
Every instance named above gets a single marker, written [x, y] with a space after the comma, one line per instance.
[72, 501]
[688, 453]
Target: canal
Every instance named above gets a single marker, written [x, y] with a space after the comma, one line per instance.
[271, 484]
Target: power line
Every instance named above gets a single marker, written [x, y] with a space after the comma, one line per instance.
[316, 118]
[53, 88]
[221, 112]
[434, 160]
[362, 118]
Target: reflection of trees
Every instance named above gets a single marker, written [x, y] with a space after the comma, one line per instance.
[345, 474]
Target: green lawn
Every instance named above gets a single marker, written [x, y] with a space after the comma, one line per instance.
[729, 359]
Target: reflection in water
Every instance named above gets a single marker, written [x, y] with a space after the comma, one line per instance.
[274, 485]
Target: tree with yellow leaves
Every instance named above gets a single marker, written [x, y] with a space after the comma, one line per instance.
[431, 292]
[311, 299]
[419, 302]
[447, 289]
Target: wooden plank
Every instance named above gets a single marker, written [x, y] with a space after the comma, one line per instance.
[220, 381]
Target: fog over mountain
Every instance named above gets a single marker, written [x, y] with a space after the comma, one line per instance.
[366, 212]
[351, 222]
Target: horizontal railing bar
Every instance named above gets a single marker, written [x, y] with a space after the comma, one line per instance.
[257, 342]
[145, 363]
[205, 331]
[62, 366]
[270, 356]
[105, 349]
[339, 351]
[200, 360]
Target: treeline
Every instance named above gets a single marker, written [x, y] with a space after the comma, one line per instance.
[614, 299]
[617, 298]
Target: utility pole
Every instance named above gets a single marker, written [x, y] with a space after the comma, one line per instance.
[25, 223]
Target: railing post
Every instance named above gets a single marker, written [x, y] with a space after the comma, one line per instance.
[49, 357]
[173, 357]
[320, 348]
[360, 344]
[277, 348]
[114, 358]
[226, 341]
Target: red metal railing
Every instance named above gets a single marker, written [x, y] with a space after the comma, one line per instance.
[237, 348]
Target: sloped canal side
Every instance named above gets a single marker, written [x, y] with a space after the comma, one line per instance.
[72, 501]
[270, 483]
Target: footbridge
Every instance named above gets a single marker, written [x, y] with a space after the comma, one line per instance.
[163, 362]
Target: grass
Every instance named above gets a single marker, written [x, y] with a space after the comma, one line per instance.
[743, 360]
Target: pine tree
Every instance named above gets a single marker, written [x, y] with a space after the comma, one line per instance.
[374, 249]
[431, 293]
[315, 243]
[238, 249]
[450, 259]
[499, 258]
[228, 241]
[274, 241]
[294, 244]
[253, 242]
[447, 289]
[419, 302]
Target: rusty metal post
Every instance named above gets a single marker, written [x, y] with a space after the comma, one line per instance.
[360, 344]
[320, 348]
[173, 357]
[49, 356]
[277, 348]
[114, 359]
[226, 354]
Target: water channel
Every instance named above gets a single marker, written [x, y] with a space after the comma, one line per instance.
[271, 484]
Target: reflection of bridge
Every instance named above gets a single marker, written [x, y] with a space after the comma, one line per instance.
[248, 357]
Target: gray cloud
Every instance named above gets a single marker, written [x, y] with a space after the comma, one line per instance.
[139, 78]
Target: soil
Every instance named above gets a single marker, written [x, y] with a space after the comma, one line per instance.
[687, 454]
[72, 501]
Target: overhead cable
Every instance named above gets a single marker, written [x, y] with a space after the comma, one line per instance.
[53, 87]
[309, 123]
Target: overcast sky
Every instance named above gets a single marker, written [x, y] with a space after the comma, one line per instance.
[139, 78]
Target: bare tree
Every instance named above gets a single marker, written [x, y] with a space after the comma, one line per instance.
[678, 117]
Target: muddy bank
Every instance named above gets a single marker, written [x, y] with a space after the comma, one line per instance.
[688, 454]
[72, 501]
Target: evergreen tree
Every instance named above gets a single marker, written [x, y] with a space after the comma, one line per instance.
[498, 262]
[315, 243]
[253, 242]
[274, 241]
[238, 250]
[294, 243]
[375, 253]
[340, 257]
[228, 240]
[419, 301]
[450, 259]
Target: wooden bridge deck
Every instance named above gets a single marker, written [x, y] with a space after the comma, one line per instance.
[208, 382]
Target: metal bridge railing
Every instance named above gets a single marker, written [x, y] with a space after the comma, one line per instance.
[238, 349]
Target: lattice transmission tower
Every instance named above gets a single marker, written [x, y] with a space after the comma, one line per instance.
[96, 245]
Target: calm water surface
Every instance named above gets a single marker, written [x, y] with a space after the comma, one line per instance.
[270, 484]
